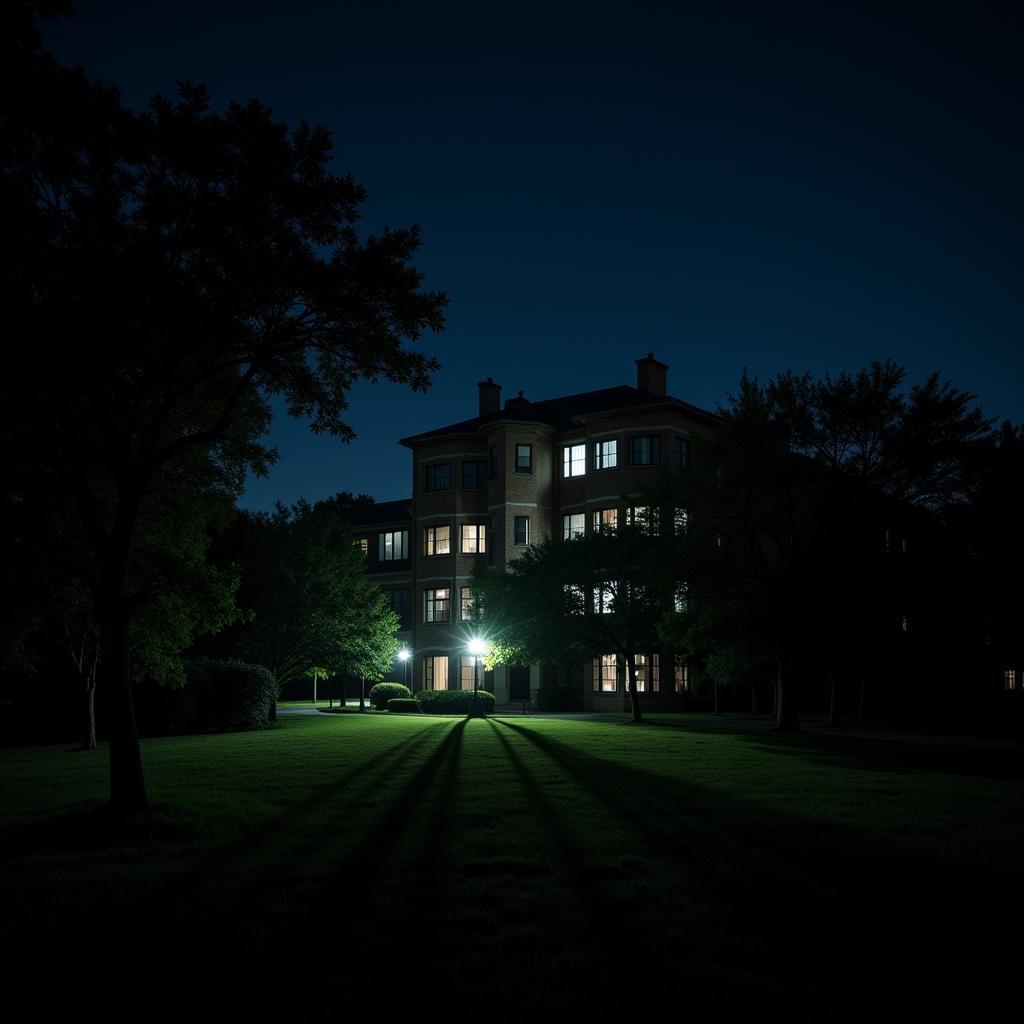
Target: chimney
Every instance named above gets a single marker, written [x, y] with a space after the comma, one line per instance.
[651, 375]
[490, 397]
[518, 402]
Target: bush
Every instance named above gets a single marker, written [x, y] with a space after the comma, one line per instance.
[383, 692]
[453, 702]
[217, 695]
[403, 706]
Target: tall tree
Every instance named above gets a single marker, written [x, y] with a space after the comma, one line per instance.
[168, 273]
[574, 599]
[305, 596]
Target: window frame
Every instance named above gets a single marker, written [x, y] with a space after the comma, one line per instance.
[569, 531]
[680, 451]
[597, 520]
[528, 468]
[653, 450]
[516, 520]
[430, 484]
[430, 541]
[480, 475]
[574, 460]
[430, 677]
[480, 542]
[434, 607]
[602, 456]
[382, 545]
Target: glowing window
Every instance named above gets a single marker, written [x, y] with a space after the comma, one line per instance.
[393, 546]
[1010, 679]
[468, 671]
[435, 672]
[573, 526]
[606, 454]
[605, 520]
[604, 599]
[474, 538]
[437, 540]
[437, 604]
[606, 671]
[574, 460]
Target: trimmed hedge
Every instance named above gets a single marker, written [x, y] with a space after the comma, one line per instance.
[222, 696]
[403, 706]
[453, 702]
[381, 693]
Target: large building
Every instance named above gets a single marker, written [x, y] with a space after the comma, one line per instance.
[487, 487]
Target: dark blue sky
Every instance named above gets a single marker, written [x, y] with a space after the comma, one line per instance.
[769, 185]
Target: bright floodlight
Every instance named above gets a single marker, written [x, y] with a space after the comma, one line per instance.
[478, 647]
[404, 655]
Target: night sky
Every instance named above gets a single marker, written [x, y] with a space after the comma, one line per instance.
[772, 186]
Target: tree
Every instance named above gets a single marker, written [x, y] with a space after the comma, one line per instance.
[574, 599]
[169, 272]
[309, 606]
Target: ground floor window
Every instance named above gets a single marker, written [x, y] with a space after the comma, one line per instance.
[647, 676]
[606, 673]
[682, 675]
[468, 671]
[435, 672]
[1010, 679]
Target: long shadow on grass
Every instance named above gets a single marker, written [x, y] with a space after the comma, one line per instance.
[790, 901]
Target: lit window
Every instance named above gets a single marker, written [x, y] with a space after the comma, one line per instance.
[1009, 679]
[646, 673]
[521, 530]
[473, 475]
[574, 460]
[605, 520]
[363, 544]
[573, 526]
[680, 451]
[682, 597]
[468, 673]
[437, 540]
[474, 539]
[645, 451]
[903, 624]
[680, 521]
[604, 599]
[393, 546]
[524, 458]
[643, 518]
[606, 671]
[606, 454]
[438, 477]
[575, 599]
[435, 672]
[437, 605]
[470, 606]
[493, 458]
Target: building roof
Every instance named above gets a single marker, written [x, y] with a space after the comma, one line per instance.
[380, 512]
[565, 413]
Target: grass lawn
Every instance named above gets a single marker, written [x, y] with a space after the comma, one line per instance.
[367, 864]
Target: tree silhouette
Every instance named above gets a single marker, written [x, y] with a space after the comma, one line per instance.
[169, 272]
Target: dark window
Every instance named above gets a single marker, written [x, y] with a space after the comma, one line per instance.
[524, 458]
[494, 455]
[680, 451]
[645, 451]
[439, 477]
[521, 533]
[473, 475]
[400, 606]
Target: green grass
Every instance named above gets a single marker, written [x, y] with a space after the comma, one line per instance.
[343, 864]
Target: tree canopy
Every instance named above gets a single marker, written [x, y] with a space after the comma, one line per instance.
[169, 272]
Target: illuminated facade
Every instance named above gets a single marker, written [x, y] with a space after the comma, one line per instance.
[487, 487]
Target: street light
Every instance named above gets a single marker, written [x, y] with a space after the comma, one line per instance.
[403, 656]
[479, 649]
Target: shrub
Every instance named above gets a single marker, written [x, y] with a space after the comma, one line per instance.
[233, 694]
[453, 702]
[403, 706]
[383, 692]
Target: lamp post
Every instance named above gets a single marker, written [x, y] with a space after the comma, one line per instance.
[478, 648]
[403, 656]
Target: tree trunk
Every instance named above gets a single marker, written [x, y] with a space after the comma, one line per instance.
[89, 709]
[786, 717]
[833, 700]
[634, 697]
[127, 784]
